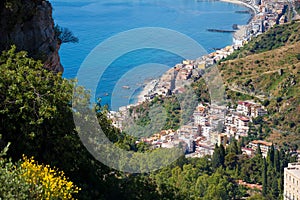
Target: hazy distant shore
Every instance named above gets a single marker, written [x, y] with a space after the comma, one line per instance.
[240, 3]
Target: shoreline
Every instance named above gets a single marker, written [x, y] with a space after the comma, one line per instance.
[152, 84]
[253, 10]
[146, 88]
[241, 3]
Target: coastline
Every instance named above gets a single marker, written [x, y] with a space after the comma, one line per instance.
[150, 86]
[253, 11]
[146, 88]
[241, 3]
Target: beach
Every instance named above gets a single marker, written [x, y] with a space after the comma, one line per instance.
[150, 86]
[241, 3]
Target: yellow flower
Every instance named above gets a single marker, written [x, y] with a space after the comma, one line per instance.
[54, 184]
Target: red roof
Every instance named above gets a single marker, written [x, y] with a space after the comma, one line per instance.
[244, 119]
[262, 142]
[248, 104]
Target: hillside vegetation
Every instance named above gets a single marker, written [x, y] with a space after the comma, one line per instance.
[267, 69]
[278, 36]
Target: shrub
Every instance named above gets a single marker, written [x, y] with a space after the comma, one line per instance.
[54, 184]
[30, 180]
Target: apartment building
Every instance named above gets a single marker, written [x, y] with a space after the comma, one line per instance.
[292, 182]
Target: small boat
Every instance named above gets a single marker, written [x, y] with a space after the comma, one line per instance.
[125, 87]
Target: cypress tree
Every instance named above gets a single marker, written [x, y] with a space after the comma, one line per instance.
[222, 155]
[234, 147]
[277, 161]
[215, 161]
[270, 156]
[275, 191]
[264, 177]
[218, 157]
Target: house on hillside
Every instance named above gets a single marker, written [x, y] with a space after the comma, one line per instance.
[264, 146]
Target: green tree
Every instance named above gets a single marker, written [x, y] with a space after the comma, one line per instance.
[231, 160]
[233, 147]
[36, 117]
[264, 178]
[218, 157]
[270, 156]
[65, 35]
[222, 153]
[275, 190]
[33, 108]
[277, 161]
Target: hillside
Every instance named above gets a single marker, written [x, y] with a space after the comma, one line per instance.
[278, 36]
[268, 71]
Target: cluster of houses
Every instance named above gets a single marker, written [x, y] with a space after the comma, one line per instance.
[207, 61]
[212, 125]
[173, 81]
[267, 14]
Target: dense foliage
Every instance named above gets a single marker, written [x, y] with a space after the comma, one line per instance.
[166, 111]
[36, 117]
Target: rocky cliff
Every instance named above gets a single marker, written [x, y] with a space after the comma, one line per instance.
[29, 25]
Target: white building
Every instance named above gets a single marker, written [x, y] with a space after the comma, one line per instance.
[264, 146]
[292, 182]
[199, 119]
[205, 131]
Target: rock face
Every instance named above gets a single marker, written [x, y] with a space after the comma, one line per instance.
[29, 25]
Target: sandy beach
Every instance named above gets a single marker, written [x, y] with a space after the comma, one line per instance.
[241, 3]
[147, 88]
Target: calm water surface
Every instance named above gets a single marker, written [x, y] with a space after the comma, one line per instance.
[94, 21]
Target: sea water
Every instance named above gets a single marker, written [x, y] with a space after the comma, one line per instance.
[94, 21]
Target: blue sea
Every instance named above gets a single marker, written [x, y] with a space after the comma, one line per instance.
[95, 21]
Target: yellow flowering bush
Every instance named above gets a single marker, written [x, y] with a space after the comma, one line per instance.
[50, 183]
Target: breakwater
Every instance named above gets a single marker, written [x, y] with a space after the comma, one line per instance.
[243, 11]
[220, 31]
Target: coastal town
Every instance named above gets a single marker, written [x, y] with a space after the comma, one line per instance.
[211, 124]
[150, 116]
[133, 107]
[265, 14]
[209, 128]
